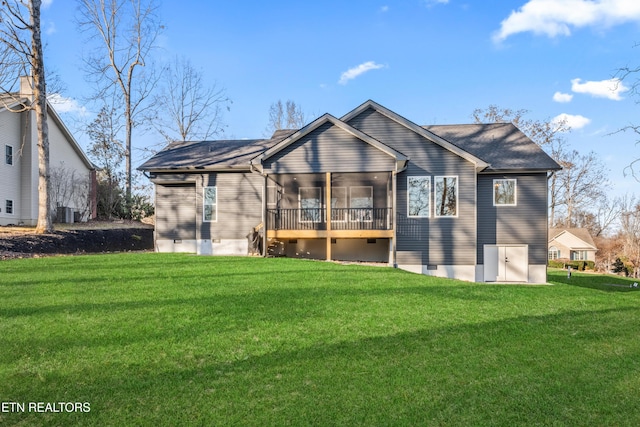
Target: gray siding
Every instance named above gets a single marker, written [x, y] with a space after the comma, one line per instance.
[329, 149]
[239, 204]
[525, 223]
[428, 241]
[176, 211]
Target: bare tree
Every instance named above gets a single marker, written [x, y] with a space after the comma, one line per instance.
[20, 35]
[287, 116]
[194, 111]
[124, 34]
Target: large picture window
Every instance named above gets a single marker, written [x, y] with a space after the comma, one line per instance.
[446, 196]
[504, 192]
[361, 203]
[310, 204]
[210, 204]
[418, 190]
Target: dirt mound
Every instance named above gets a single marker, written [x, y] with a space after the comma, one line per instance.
[22, 245]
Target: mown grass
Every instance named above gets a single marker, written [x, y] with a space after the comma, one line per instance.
[171, 339]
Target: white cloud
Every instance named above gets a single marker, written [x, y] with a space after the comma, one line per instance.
[354, 72]
[66, 105]
[611, 88]
[562, 97]
[435, 2]
[46, 3]
[573, 121]
[384, 9]
[556, 17]
[51, 28]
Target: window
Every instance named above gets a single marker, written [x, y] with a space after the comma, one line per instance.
[338, 204]
[361, 204]
[8, 207]
[578, 255]
[8, 154]
[418, 190]
[504, 192]
[446, 196]
[210, 204]
[554, 253]
[310, 207]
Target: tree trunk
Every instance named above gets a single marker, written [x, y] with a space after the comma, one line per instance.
[45, 224]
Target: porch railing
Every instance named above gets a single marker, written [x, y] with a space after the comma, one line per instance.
[341, 219]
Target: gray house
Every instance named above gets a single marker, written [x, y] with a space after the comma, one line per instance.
[459, 201]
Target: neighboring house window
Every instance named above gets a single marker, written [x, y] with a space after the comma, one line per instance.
[418, 196]
[554, 253]
[8, 154]
[361, 203]
[504, 192]
[578, 255]
[210, 204]
[446, 195]
[8, 207]
[338, 204]
[310, 207]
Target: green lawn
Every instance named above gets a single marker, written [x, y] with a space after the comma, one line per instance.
[172, 339]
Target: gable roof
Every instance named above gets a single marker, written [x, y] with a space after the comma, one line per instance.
[401, 159]
[480, 163]
[8, 101]
[515, 151]
[490, 147]
[581, 233]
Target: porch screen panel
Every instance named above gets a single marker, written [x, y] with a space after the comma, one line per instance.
[361, 203]
[310, 204]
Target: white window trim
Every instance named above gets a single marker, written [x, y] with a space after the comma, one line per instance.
[515, 192]
[553, 251]
[300, 208]
[13, 207]
[344, 218]
[428, 215]
[370, 188]
[435, 189]
[12, 155]
[204, 199]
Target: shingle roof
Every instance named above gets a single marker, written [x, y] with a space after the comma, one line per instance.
[502, 145]
[218, 154]
[581, 233]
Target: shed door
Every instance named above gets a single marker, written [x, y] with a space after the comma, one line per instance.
[506, 263]
[176, 212]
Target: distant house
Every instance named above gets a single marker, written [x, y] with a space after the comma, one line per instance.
[574, 244]
[458, 201]
[72, 174]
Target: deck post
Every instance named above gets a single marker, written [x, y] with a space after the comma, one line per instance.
[328, 213]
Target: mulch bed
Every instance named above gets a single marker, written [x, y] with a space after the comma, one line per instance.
[65, 242]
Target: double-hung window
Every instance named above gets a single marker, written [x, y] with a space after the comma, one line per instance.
[504, 192]
[8, 207]
[210, 204]
[418, 192]
[446, 196]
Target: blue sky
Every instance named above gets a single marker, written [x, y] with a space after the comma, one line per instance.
[432, 61]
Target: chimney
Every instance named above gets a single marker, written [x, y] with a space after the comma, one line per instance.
[26, 86]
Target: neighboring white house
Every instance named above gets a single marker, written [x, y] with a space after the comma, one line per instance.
[575, 244]
[72, 174]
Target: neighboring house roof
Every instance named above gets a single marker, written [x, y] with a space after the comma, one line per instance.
[515, 151]
[585, 241]
[475, 143]
[8, 101]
